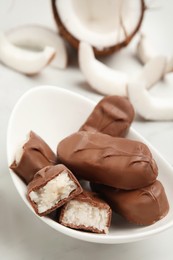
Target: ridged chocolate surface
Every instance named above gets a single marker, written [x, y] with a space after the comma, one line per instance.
[36, 155]
[113, 115]
[113, 161]
[143, 206]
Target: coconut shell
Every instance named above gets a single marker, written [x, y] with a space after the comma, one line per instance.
[106, 51]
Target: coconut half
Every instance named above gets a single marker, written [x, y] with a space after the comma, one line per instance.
[107, 25]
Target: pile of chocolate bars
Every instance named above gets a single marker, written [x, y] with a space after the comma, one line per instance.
[122, 173]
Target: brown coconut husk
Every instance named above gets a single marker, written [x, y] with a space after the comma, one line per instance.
[106, 51]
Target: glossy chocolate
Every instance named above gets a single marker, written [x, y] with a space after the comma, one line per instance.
[94, 200]
[142, 206]
[113, 161]
[36, 155]
[113, 115]
[45, 175]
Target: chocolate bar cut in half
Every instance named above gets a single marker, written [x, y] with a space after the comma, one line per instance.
[52, 187]
[87, 212]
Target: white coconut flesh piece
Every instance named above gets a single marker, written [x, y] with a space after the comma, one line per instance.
[147, 106]
[145, 51]
[106, 80]
[77, 213]
[24, 61]
[101, 23]
[100, 77]
[53, 192]
[35, 37]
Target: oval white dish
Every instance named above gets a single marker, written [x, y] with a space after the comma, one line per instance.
[54, 113]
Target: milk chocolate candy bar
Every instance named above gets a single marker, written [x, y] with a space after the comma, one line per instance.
[87, 212]
[113, 161]
[51, 187]
[113, 115]
[33, 156]
[143, 206]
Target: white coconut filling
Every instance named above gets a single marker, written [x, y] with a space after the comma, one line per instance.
[19, 150]
[83, 213]
[54, 191]
[100, 22]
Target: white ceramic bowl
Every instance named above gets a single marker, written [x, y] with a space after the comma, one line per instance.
[54, 113]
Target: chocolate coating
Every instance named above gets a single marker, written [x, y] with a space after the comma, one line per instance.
[144, 206]
[113, 161]
[36, 155]
[45, 175]
[113, 115]
[94, 200]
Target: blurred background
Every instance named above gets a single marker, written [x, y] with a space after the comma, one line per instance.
[23, 236]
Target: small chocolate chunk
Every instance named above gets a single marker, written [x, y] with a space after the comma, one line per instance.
[52, 187]
[36, 154]
[113, 115]
[87, 212]
[143, 206]
[113, 161]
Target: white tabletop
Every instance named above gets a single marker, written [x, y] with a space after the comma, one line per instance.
[22, 235]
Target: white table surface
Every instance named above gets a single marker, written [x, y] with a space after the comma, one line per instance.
[22, 235]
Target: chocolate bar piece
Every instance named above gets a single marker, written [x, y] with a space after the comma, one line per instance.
[142, 206]
[52, 187]
[33, 156]
[87, 212]
[113, 161]
[113, 115]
